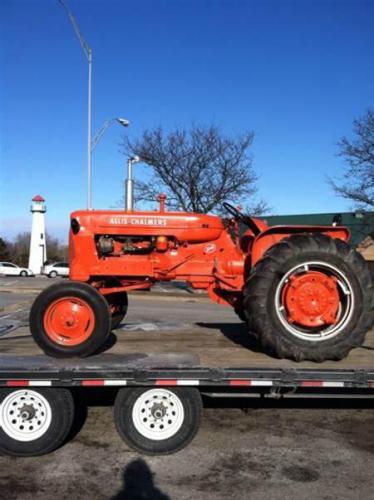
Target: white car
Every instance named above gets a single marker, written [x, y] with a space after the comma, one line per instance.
[10, 269]
[56, 269]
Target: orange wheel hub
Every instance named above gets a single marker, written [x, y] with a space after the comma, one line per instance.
[311, 299]
[69, 321]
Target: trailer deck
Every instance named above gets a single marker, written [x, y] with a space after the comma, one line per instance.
[174, 370]
[205, 356]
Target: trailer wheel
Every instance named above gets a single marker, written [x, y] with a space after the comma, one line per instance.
[118, 304]
[310, 297]
[70, 319]
[159, 420]
[34, 422]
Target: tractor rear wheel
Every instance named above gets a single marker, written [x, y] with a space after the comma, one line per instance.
[239, 311]
[118, 304]
[310, 297]
[70, 319]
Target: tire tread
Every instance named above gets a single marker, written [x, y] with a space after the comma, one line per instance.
[256, 292]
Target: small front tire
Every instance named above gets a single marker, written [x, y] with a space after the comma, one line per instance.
[70, 319]
[34, 422]
[52, 274]
[23, 274]
[158, 421]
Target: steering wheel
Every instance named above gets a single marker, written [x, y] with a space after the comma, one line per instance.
[245, 219]
[234, 212]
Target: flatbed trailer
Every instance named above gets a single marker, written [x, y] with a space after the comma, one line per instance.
[157, 397]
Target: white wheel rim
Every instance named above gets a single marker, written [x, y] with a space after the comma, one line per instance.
[25, 415]
[345, 310]
[158, 414]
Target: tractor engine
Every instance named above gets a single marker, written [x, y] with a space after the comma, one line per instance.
[136, 249]
[121, 245]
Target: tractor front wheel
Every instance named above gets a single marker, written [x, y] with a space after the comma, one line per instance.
[70, 319]
[310, 297]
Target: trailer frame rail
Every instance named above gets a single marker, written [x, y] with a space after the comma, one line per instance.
[202, 377]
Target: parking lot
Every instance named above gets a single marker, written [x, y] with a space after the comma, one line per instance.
[245, 449]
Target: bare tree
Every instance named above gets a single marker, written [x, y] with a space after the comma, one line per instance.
[358, 179]
[4, 250]
[55, 249]
[198, 169]
[19, 249]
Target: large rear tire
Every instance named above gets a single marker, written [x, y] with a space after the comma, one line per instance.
[310, 297]
[70, 319]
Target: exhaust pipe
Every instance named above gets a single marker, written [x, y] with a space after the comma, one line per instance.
[129, 189]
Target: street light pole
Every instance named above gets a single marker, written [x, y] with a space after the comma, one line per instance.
[99, 134]
[89, 133]
[96, 139]
[88, 53]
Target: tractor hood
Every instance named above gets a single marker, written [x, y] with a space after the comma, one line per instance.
[188, 227]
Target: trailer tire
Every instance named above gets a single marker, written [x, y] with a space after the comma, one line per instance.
[332, 271]
[178, 423]
[120, 302]
[49, 415]
[70, 319]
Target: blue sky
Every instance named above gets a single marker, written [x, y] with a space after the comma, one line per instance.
[295, 72]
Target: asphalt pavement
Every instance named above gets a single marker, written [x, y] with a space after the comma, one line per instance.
[257, 449]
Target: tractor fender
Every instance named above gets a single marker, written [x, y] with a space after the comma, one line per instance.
[274, 234]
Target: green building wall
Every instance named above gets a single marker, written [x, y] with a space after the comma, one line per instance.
[361, 224]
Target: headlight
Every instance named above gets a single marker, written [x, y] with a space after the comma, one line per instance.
[75, 226]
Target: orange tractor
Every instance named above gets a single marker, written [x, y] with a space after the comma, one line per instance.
[303, 291]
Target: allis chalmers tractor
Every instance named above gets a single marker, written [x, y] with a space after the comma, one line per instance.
[303, 291]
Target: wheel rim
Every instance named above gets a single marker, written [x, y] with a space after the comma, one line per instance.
[25, 415]
[69, 321]
[158, 414]
[314, 301]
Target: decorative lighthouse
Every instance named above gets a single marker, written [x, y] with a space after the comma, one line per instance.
[38, 248]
